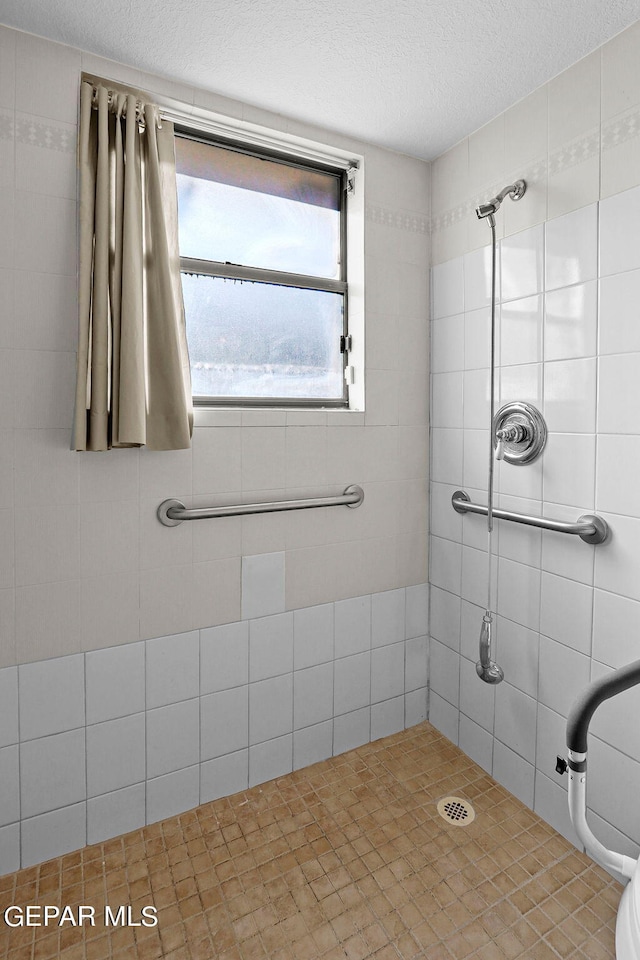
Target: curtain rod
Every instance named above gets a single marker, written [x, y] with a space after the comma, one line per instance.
[199, 119]
[112, 103]
[242, 133]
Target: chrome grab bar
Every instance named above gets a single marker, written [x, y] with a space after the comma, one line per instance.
[173, 512]
[590, 527]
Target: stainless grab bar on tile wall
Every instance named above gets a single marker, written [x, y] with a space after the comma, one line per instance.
[590, 527]
[173, 512]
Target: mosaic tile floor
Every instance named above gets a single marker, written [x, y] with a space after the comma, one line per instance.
[345, 859]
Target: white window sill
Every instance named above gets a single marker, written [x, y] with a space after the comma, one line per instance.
[240, 417]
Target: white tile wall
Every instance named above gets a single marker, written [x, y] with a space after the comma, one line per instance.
[96, 744]
[570, 321]
[415, 706]
[8, 706]
[115, 754]
[387, 617]
[569, 468]
[313, 632]
[387, 717]
[10, 846]
[477, 338]
[108, 574]
[351, 730]
[224, 776]
[513, 772]
[387, 672]
[262, 585]
[565, 609]
[571, 253]
[517, 649]
[224, 657]
[51, 696]
[618, 330]
[312, 744]
[270, 709]
[620, 232]
[173, 666]
[270, 646]
[352, 683]
[515, 720]
[224, 722]
[114, 813]
[522, 259]
[172, 737]
[476, 398]
[478, 702]
[115, 682]
[565, 612]
[352, 626]
[270, 759]
[416, 664]
[312, 695]
[521, 329]
[616, 622]
[476, 742]
[9, 785]
[172, 793]
[53, 834]
[52, 772]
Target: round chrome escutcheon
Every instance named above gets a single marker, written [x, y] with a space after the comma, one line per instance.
[526, 421]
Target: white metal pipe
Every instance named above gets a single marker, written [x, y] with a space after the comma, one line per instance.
[608, 859]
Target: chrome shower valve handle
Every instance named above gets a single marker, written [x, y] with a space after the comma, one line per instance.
[519, 432]
[512, 432]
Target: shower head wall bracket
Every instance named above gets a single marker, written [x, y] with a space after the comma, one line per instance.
[519, 433]
[515, 190]
[519, 190]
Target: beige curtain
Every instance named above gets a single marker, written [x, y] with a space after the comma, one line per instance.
[134, 383]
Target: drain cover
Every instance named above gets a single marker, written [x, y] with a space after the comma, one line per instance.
[457, 811]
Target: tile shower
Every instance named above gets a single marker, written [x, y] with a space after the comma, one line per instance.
[345, 859]
[569, 264]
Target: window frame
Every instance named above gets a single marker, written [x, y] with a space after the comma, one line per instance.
[217, 269]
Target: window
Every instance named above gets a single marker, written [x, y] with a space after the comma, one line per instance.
[263, 260]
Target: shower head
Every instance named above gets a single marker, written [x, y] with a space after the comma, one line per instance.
[486, 668]
[514, 190]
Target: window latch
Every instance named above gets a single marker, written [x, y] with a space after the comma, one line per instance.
[350, 180]
[345, 343]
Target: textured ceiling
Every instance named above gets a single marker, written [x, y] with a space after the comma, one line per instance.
[412, 75]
